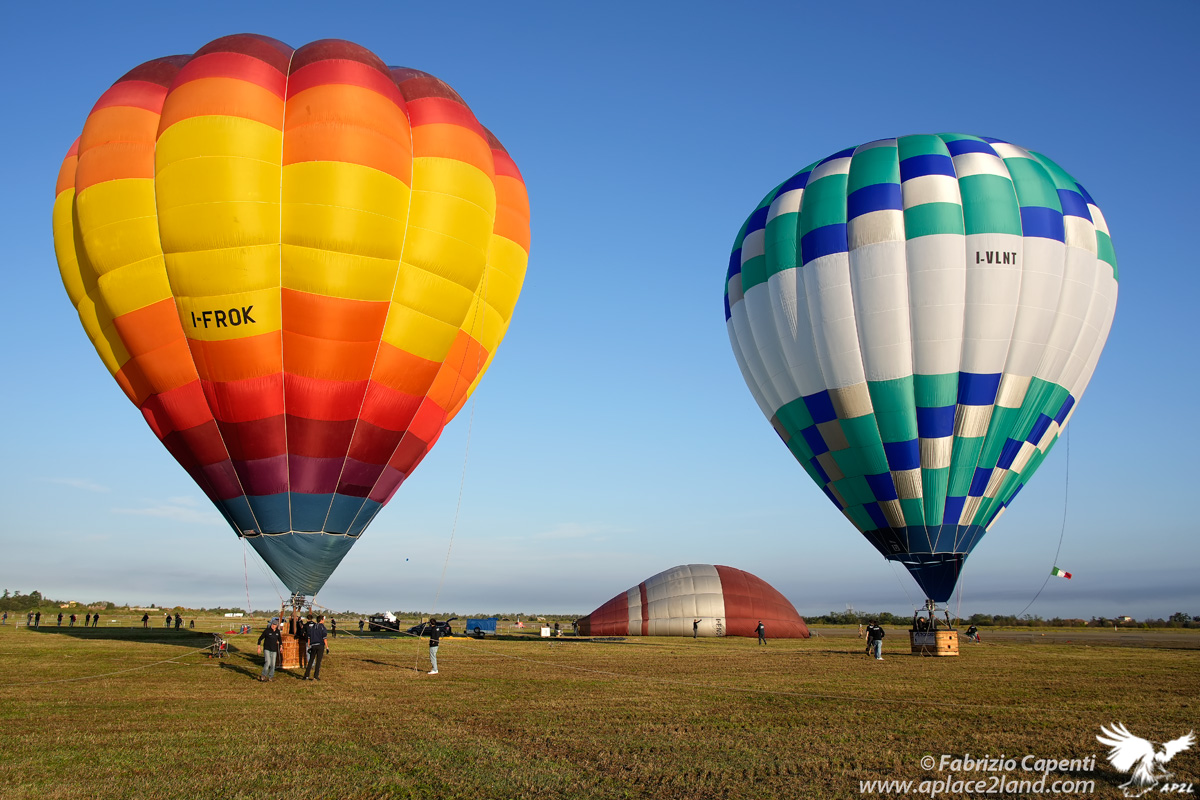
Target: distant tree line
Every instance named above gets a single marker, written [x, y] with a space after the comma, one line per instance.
[1176, 620]
[16, 601]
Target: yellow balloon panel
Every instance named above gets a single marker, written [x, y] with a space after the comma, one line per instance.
[334, 274]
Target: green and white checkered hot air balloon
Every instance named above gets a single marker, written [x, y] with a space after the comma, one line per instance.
[918, 318]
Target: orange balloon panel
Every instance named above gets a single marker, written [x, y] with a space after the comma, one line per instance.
[297, 263]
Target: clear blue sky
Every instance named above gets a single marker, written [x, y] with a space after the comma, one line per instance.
[614, 436]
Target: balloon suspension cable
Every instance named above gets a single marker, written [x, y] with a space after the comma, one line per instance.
[903, 588]
[1063, 532]
[246, 575]
[931, 608]
[462, 481]
[958, 593]
[261, 568]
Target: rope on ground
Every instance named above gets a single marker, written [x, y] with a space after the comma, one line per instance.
[110, 674]
[741, 689]
[715, 687]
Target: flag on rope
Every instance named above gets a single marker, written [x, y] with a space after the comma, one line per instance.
[1058, 573]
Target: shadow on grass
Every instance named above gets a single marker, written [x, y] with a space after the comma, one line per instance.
[148, 635]
[253, 671]
[248, 670]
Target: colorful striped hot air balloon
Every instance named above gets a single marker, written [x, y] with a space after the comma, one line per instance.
[297, 263]
[918, 318]
[697, 599]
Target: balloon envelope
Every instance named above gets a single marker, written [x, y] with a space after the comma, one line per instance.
[918, 318]
[726, 601]
[297, 263]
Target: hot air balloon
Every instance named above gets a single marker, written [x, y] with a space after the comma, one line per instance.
[726, 601]
[297, 263]
[918, 318]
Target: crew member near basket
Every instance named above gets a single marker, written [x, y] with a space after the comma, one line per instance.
[270, 641]
[317, 647]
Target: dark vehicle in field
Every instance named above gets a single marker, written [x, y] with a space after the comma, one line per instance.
[384, 621]
[424, 628]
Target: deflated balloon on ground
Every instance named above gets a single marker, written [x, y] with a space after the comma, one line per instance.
[697, 600]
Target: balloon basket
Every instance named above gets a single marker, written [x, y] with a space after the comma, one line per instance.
[934, 643]
[291, 618]
[289, 653]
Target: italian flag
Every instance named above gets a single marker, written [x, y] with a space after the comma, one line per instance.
[1058, 573]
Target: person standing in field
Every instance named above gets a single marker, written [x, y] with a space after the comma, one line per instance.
[178, 620]
[435, 639]
[60, 619]
[695, 628]
[74, 617]
[302, 626]
[761, 630]
[360, 625]
[37, 619]
[875, 640]
[29, 620]
[332, 628]
[87, 620]
[95, 618]
[5, 620]
[317, 647]
[145, 620]
[269, 644]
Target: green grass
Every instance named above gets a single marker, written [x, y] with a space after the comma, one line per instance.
[524, 717]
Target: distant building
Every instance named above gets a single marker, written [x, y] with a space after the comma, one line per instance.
[1124, 619]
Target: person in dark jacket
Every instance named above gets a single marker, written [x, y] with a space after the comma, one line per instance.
[269, 643]
[875, 640]
[762, 633]
[332, 628]
[60, 619]
[178, 620]
[302, 639]
[37, 619]
[317, 648]
[95, 619]
[436, 631]
[145, 620]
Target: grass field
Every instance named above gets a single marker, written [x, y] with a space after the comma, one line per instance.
[125, 713]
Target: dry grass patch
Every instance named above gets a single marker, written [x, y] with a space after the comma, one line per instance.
[524, 718]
